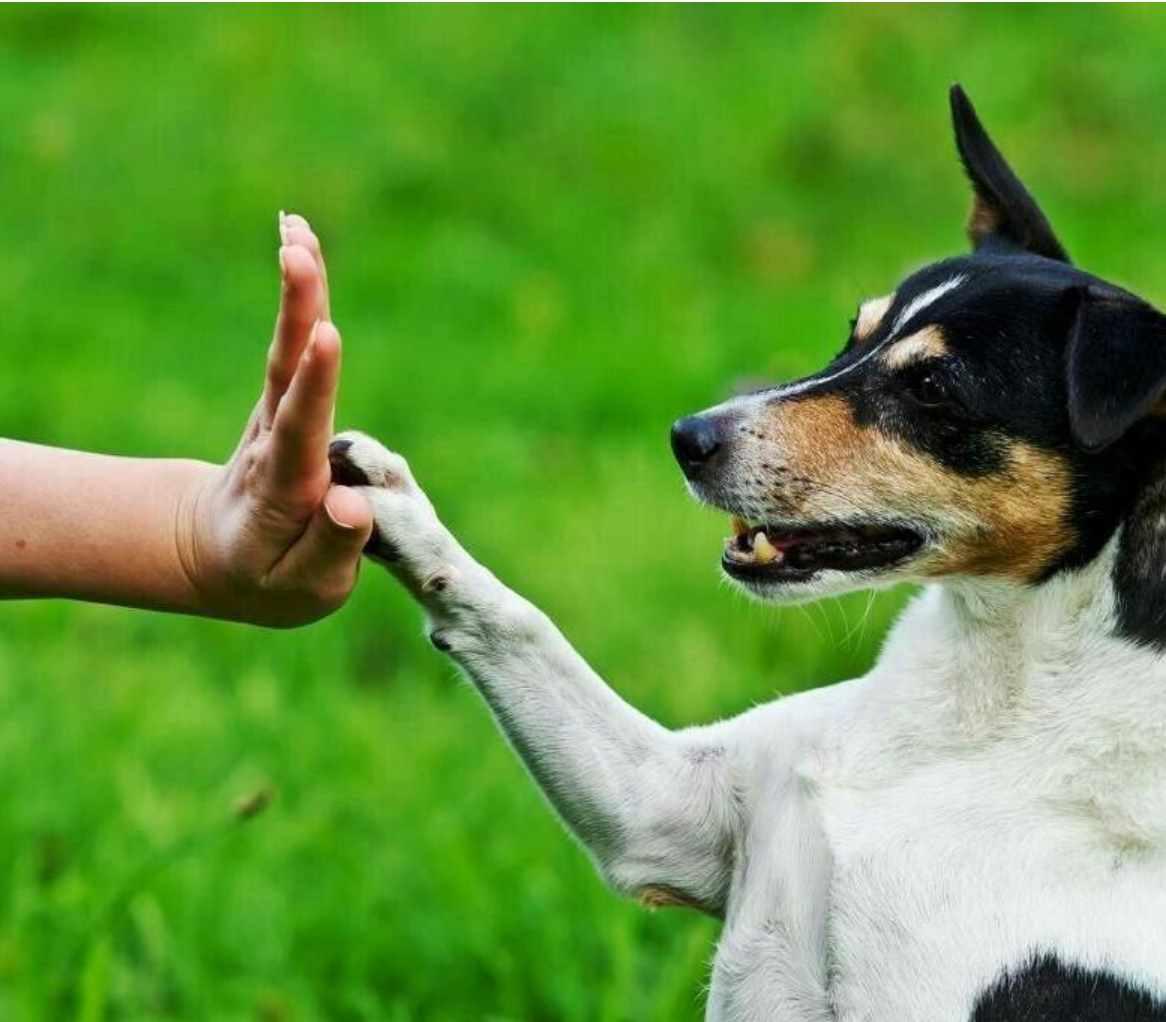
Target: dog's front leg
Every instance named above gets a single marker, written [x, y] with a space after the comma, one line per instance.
[655, 808]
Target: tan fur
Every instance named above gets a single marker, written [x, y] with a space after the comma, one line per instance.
[1012, 524]
[982, 220]
[870, 315]
[926, 343]
[664, 897]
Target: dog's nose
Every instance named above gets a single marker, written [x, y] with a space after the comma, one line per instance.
[695, 439]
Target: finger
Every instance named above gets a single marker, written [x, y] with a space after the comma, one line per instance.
[299, 307]
[349, 509]
[295, 230]
[303, 421]
[326, 558]
[307, 240]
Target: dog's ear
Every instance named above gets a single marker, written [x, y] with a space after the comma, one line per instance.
[1003, 213]
[1116, 363]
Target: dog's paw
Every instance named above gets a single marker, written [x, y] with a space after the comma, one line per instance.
[407, 535]
[359, 460]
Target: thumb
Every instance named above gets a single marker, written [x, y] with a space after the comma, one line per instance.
[326, 557]
[347, 511]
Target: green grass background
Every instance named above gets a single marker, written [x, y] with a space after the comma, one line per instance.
[549, 232]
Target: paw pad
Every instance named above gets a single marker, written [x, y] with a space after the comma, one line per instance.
[438, 582]
[344, 472]
[358, 460]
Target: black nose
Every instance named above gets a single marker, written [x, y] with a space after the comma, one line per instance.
[695, 440]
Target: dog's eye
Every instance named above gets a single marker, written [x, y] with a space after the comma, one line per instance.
[928, 389]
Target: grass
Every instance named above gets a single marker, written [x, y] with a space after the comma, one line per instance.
[550, 232]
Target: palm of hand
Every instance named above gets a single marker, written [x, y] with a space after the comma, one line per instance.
[268, 539]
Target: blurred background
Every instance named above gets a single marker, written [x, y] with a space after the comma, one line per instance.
[549, 233]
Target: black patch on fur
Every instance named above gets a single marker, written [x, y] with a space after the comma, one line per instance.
[1116, 364]
[1047, 990]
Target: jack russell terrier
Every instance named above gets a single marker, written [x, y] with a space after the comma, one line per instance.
[976, 829]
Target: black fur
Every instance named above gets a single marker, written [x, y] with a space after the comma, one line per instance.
[1139, 576]
[1116, 364]
[1047, 990]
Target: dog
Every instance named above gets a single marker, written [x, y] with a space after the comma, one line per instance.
[976, 829]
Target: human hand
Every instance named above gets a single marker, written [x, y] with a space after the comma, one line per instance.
[266, 538]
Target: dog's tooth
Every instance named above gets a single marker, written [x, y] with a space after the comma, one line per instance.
[764, 552]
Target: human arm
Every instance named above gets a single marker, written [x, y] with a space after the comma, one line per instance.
[264, 538]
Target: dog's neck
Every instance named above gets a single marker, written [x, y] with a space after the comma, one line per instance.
[994, 649]
[1034, 677]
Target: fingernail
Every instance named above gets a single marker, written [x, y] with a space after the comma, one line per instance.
[282, 228]
[283, 262]
[336, 521]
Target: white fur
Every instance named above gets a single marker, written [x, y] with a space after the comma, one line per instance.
[921, 301]
[882, 849]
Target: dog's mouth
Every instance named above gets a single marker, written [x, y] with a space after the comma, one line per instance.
[772, 553]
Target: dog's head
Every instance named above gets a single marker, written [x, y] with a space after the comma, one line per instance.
[995, 415]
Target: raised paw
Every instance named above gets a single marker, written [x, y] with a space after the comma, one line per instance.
[406, 534]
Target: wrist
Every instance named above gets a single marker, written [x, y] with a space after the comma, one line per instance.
[195, 549]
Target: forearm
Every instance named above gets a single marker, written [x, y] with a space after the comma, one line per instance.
[656, 808]
[591, 752]
[96, 527]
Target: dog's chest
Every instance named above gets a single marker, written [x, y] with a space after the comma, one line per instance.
[914, 888]
[943, 881]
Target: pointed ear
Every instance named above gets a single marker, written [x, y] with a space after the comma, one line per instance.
[1002, 211]
[1116, 362]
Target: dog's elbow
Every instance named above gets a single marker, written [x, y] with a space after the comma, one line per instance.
[704, 889]
[691, 870]
[674, 845]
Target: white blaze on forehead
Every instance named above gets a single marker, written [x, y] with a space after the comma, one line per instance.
[909, 311]
[870, 315]
[921, 301]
